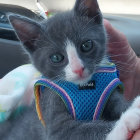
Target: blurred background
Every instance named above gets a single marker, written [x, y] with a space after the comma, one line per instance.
[122, 7]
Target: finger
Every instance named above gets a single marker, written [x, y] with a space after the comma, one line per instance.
[136, 135]
[124, 57]
[113, 34]
[119, 49]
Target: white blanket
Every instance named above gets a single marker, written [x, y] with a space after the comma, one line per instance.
[16, 90]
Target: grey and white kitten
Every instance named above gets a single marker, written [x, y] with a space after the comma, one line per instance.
[68, 46]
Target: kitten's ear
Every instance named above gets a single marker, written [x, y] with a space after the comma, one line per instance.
[26, 29]
[88, 8]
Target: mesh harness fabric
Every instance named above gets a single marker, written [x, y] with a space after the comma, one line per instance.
[83, 104]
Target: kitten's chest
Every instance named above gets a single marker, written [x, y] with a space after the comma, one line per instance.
[86, 102]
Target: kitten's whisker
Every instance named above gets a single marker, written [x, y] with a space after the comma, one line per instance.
[122, 49]
[119, 68]
[58, 77]
[119, 42]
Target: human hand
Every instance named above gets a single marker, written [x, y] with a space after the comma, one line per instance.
[126, 60]
[136, 135]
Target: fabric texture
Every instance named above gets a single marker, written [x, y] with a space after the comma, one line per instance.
[16, 91]
[86, 103]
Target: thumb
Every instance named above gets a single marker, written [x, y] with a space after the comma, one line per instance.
[120, 50]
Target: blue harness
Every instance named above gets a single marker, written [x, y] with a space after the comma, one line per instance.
[85, 102]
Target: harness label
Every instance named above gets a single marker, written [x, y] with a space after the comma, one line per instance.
[89, 85]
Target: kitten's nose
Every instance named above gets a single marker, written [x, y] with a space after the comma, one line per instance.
[79, 71]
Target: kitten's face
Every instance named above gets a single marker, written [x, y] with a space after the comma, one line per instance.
[67, 46]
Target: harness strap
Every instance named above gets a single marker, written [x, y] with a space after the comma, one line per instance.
[105, 96]
[58, 90]
[38, 108]
[66, 99]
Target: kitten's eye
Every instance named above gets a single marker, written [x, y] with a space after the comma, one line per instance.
[87, 46]
[57, 58]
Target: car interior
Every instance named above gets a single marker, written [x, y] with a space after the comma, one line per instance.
[10, 47]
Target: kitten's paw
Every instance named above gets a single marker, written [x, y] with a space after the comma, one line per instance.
[136, 103]
[129, 122]
[131, 119]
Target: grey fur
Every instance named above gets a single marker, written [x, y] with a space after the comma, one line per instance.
[42, 39]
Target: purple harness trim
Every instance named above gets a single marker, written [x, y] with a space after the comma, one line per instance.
[62, 93]
[103, 98]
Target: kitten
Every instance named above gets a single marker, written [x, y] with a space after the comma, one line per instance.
[69, 46]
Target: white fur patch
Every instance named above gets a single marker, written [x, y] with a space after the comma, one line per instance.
[129, 121]
[74, 63]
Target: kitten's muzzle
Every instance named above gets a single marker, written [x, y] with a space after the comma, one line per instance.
[79, 71]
